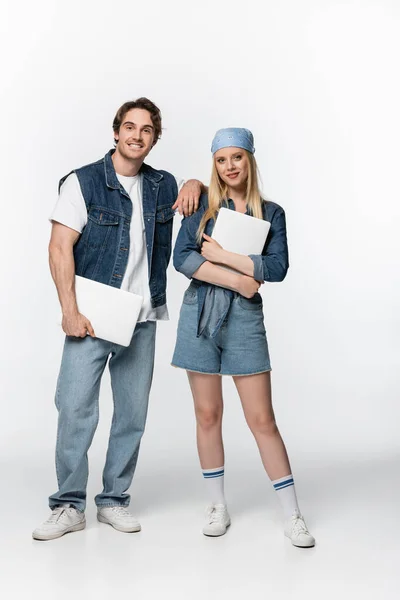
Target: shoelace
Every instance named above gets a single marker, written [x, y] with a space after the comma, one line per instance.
[299, 526]
[57, 513]
[216, 514]
[121, 511]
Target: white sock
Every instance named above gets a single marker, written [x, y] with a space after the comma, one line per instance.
[285, 489]
[214, 480]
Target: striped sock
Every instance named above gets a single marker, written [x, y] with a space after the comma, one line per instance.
[285, 489]
[214, 479]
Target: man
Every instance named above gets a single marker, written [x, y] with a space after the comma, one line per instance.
[112, 224]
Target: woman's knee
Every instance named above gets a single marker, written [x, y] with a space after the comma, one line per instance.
[262, 424]
[208, 418]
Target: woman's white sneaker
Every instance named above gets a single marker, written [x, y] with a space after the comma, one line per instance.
[63, 519]
[217, 520]
[296, 530]
[118, 517]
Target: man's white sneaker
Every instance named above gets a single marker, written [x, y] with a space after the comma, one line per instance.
[296, 530]
[118, 517]
[217, 520]
[63, 519]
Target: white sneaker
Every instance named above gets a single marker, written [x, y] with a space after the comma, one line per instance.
[118, 517]
[296, 530]
[217, 520]
[63, 519]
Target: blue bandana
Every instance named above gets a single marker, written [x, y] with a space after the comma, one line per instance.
[233, 137]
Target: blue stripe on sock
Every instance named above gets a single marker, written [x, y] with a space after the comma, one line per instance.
[215, 474]
[284, 486]
[277, 486]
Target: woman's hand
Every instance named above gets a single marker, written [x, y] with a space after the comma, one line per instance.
[211, 250]
[248, 286]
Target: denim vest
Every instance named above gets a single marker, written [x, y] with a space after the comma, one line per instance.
[102, 251]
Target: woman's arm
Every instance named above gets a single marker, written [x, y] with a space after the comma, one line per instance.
[244, 285]
[188, 260]
[271, 266]
[213, 252]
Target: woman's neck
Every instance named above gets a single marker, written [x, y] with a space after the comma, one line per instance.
[239, 199]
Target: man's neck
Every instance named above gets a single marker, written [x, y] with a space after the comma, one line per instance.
[125, 167]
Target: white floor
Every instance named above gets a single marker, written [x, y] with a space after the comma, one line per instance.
[351, 508]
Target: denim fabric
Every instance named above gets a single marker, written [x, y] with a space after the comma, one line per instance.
[238, 348]
[77, 401]
[102, 250]
[271, 265]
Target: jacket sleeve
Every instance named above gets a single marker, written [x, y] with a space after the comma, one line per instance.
[187, 257]
[272, 265]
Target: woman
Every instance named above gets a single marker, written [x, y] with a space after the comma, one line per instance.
[221, 327]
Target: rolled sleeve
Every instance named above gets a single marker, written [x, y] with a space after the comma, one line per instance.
[273, 264]
[258, 267]
[190, 265]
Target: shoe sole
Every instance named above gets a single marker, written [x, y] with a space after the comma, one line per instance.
[300, 545]
[45, 538]
[102, 519]
[217, 534]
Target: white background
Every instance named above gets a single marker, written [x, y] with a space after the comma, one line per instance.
[317, 83]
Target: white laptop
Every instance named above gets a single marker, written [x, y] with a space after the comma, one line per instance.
[112, 312]
[240, 233]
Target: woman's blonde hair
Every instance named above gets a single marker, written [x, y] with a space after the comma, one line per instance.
[218, 195]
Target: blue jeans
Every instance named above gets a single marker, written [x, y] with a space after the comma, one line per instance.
[77, 401]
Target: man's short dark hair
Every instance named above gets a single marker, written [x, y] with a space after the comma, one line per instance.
[145, 104]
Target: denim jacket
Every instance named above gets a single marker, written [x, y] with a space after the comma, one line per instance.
[271, 265]
[102, 251]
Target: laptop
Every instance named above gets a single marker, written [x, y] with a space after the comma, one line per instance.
[112, 312]
[240, 233]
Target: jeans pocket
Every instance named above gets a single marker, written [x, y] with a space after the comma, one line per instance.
[190, 296]
[254, 303]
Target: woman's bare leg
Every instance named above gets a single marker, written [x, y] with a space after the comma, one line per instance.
[208, 406]
[255, 395]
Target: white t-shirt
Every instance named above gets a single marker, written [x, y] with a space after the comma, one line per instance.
[70, 210]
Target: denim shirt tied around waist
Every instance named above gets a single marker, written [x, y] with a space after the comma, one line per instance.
[213, 302]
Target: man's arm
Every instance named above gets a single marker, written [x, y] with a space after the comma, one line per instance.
[62, 267]
[187, 201]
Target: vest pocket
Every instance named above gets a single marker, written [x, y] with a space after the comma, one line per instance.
[164, 214]
[103, 217]
[101, 224]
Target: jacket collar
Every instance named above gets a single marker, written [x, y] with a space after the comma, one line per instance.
[111, 176]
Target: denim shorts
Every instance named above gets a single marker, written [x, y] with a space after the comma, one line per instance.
[239, 348]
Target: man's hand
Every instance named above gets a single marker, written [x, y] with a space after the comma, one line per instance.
[77, 325]
[248, 286]
[188, 199]
[211, 250]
